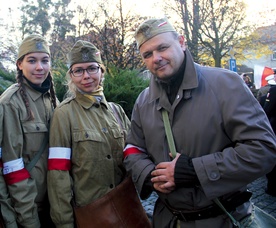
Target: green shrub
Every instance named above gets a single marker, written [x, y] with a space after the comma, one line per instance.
[123, 87]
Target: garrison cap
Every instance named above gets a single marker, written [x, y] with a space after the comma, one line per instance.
[151, 28]
[33, 43]
[83, 52]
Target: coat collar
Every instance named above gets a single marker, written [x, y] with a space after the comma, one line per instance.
[34, 94]
[189, 82]
[87, 103]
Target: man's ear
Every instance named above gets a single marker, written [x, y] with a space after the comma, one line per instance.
[181, 40]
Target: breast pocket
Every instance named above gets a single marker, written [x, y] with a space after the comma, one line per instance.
[86, 144]
[34, 134]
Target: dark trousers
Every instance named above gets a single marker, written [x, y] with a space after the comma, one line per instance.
[271, 181]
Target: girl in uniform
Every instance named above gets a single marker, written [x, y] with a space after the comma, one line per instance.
[27, 109]
[86, 141]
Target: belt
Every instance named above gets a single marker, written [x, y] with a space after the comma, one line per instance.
[213, 210]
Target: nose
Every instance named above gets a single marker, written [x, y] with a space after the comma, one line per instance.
[85, 74]
[156, 57]
[39, 66]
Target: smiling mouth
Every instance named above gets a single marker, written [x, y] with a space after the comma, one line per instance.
[160, 67]
[87, 84]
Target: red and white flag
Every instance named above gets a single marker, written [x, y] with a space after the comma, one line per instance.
[260, 73]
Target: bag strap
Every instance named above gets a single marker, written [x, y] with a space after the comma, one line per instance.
[168, 131]
[173, 151]
[32, 163]
[234, 221]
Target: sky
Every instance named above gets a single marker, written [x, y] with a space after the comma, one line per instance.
[144, 7]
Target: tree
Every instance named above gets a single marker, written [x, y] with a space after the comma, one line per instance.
[35, 17]
[123, 87]
[62, 27]
[112, 32]
[211, 27]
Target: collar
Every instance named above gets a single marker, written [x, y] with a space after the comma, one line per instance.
[34, 94]
[88, 102]
[189, 82]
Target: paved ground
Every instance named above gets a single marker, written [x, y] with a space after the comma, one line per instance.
[259, 198]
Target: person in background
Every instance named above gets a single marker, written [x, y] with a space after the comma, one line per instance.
[27, 109]
[262, 92]
[86, 137]
[222, 136]
[248, 81]
[270, 110]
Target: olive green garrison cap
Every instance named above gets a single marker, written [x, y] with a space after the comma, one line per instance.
[151, 28]
[83, 52]
[33, 43]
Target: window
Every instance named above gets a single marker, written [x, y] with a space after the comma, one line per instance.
[274, 55]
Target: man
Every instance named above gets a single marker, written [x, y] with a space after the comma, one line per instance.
[262, 92]
[270, 110]
[222, 135]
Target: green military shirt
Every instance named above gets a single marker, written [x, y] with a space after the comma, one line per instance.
[86, 155]
[21, 141]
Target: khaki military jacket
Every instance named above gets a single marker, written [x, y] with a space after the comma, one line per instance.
[87, 135]
[21, 141]
[216, 121]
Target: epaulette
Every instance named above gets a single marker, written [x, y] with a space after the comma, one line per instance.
[7, 94]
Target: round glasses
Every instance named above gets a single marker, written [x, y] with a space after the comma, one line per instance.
[90, 70]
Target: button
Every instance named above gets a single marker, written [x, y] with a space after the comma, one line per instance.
[86, 135]
[111, 186]
[213, 175]
[108, 156]
[37, 128]
[96, 105]
[104, 130]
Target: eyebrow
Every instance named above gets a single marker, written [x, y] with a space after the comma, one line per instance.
[79, 67]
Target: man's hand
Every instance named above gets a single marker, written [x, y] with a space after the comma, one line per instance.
[163, 176]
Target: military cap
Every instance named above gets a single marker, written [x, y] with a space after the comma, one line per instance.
[33, 43]
[83, 52]
[151, 28]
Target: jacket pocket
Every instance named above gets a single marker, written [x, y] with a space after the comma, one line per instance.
[31, 127]
[85, 135]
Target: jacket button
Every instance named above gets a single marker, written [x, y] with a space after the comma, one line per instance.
[37, 128]
[108, 156]
[214, 175]
[111, 186]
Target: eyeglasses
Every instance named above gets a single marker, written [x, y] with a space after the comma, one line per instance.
[90, 70]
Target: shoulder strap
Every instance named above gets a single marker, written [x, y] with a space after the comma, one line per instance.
[38, 154]
[168, 131]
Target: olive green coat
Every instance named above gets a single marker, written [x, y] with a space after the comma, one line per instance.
[89, 132]
[22, 139]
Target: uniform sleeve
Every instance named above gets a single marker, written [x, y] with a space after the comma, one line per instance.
[7, 210]
[21, 187]
[59, 165]
[136, 158]
[252, 151]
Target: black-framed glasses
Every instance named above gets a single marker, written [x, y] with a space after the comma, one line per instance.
[90, 70]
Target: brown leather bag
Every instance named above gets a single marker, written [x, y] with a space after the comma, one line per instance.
[120, 208]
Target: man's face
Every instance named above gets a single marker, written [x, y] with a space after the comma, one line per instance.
[163, 54]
